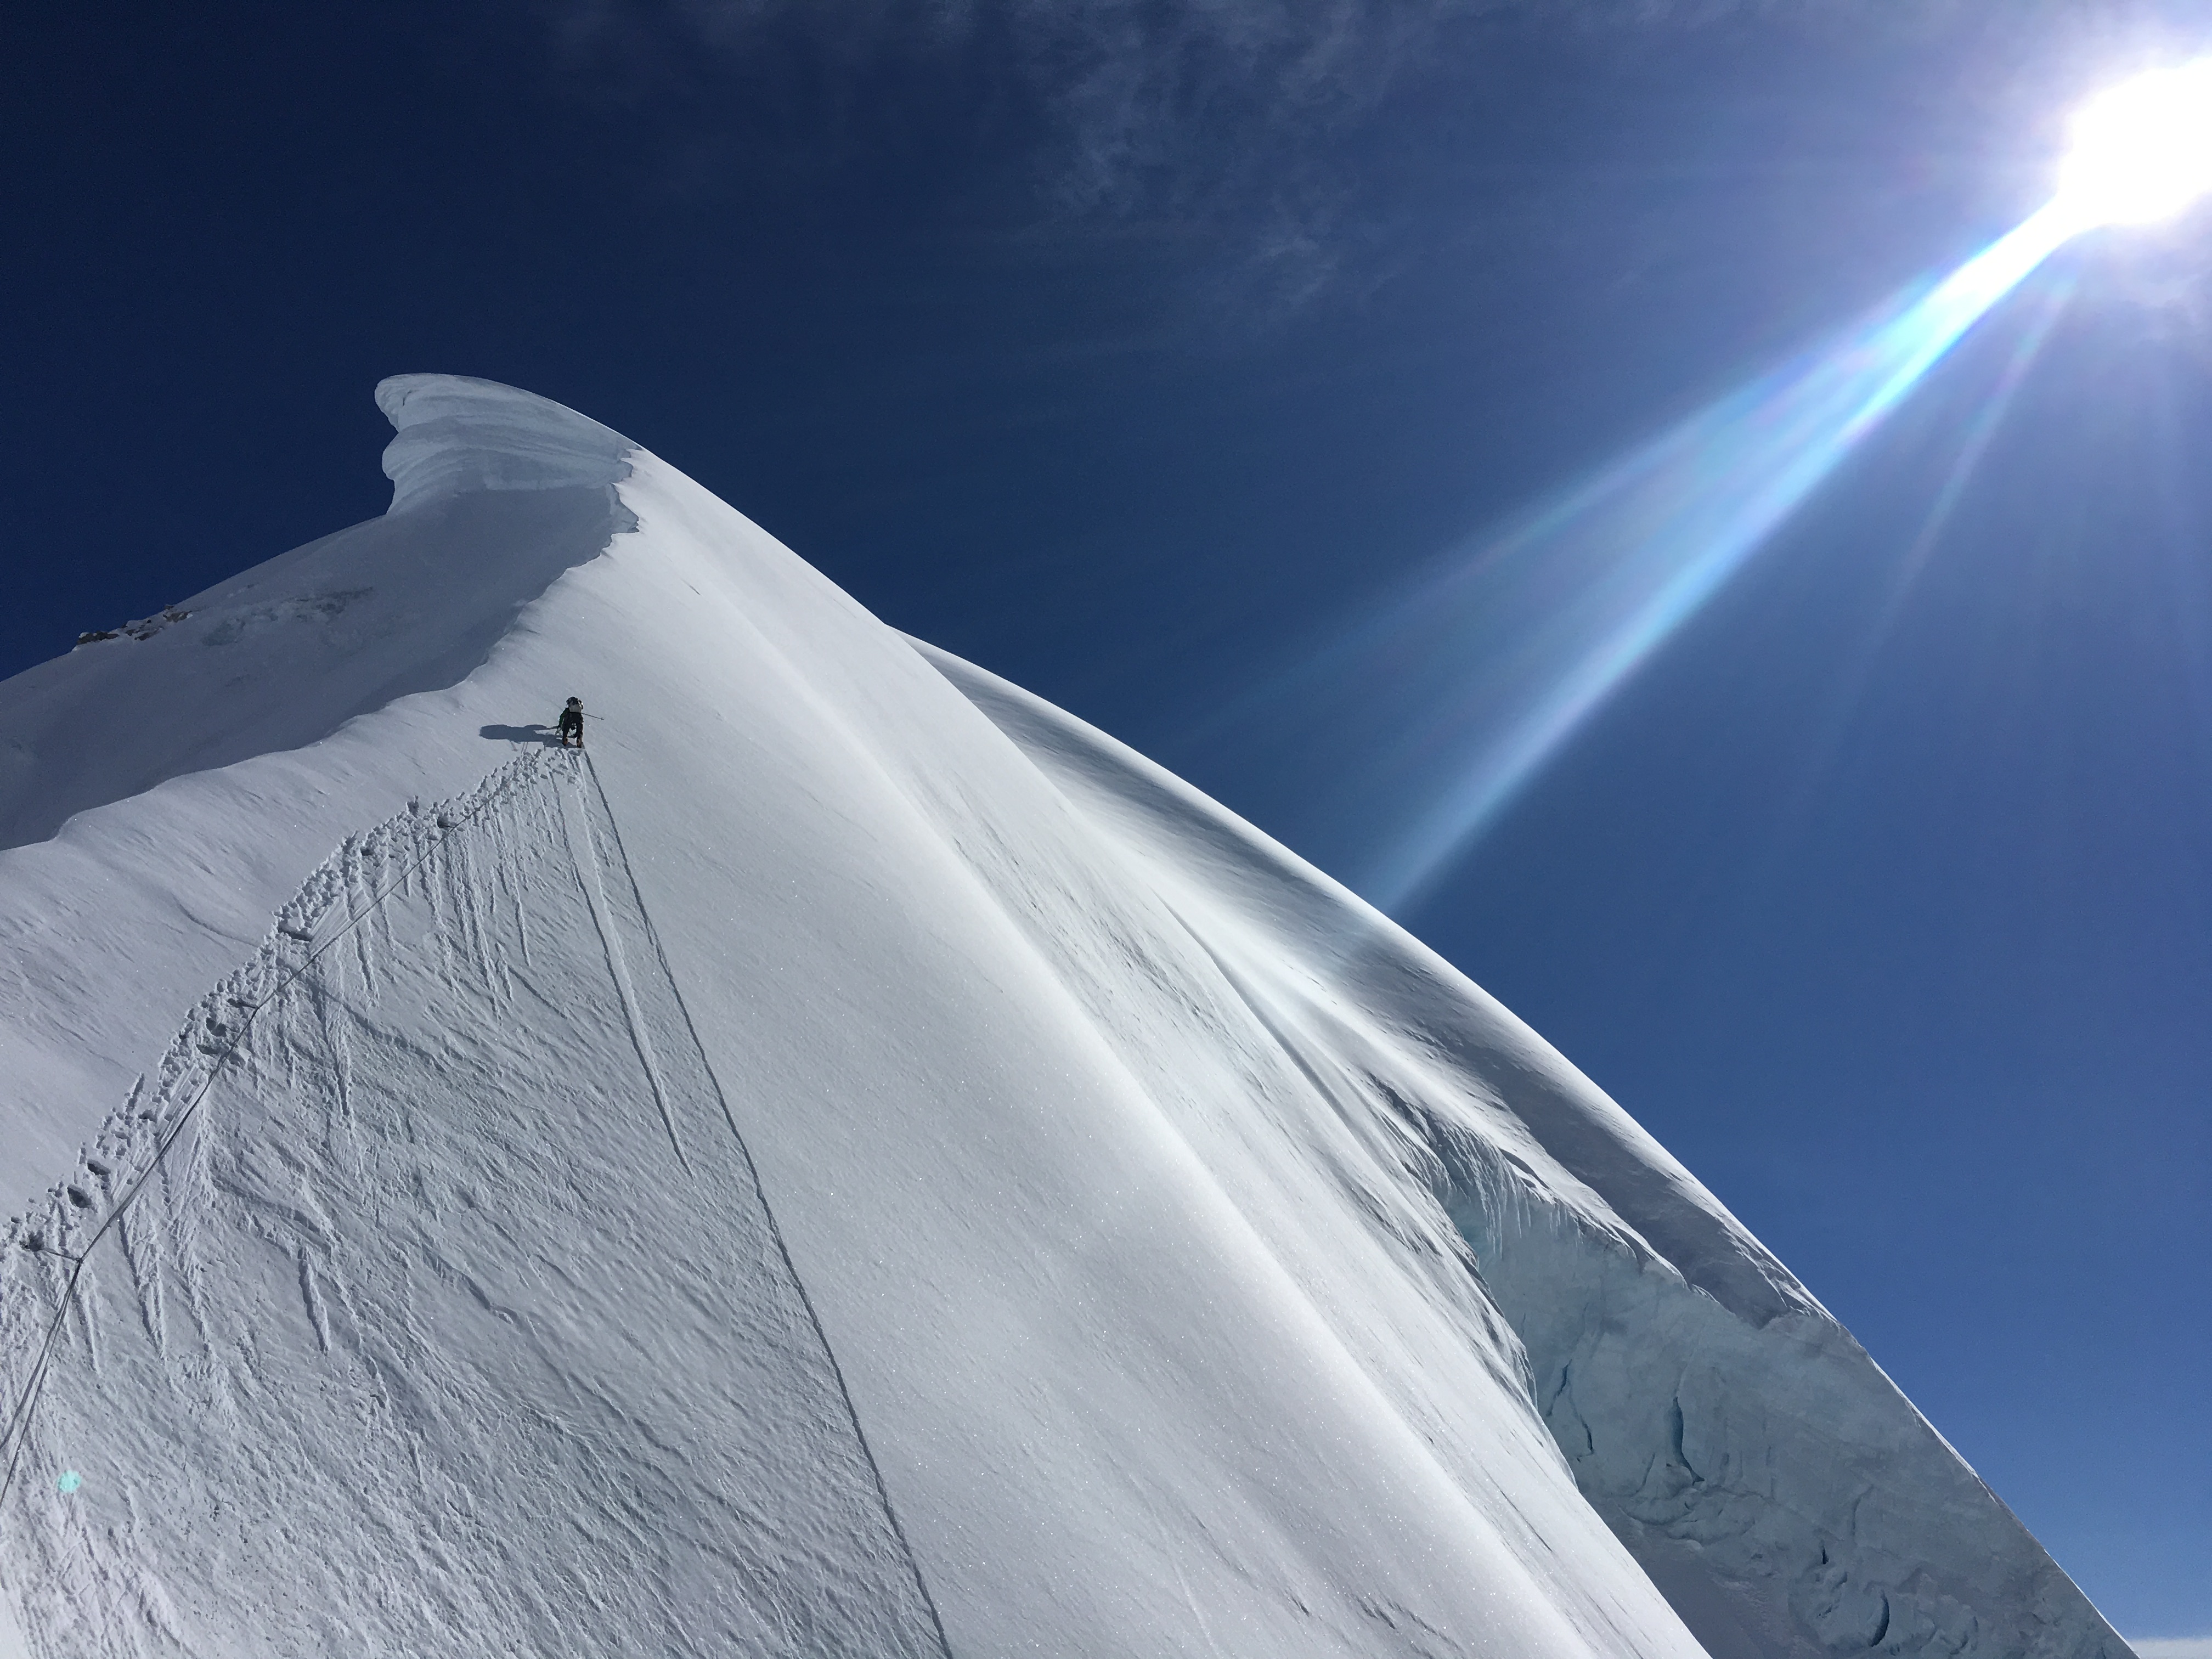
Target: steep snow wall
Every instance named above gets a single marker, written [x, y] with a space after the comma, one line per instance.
[1769, 1478]
[862, 1164]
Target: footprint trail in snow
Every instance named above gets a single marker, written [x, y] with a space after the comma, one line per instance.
[462, 1230]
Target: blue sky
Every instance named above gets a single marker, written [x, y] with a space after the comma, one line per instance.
[1142, 352]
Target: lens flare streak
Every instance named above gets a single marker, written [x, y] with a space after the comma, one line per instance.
[1513, 649]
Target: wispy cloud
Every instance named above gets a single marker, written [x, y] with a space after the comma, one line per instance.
[2172, 1647]
[1266, 131]
[1237, 119]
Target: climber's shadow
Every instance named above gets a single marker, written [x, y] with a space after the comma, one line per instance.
[545, 736]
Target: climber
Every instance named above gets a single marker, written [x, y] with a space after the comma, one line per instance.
[571, 724]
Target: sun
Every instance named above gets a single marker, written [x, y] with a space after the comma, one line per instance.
[2142, 149]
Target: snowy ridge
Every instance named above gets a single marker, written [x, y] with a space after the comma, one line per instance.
[495, 494]
[141, 852]
[863, 1163]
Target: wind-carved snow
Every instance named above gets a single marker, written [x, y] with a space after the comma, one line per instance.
[933, 1181]
[456, 437]
[374, 1280]
[1772, 1481]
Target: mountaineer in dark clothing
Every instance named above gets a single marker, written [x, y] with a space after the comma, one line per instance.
[571, 724]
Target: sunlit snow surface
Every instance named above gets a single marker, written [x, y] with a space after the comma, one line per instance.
[860, 1163]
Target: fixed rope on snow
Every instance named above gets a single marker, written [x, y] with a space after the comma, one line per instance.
[18, 1427]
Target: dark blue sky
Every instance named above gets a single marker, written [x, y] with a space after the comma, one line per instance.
[1130, 347]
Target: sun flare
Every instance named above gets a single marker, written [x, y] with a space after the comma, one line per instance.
[2142, 149]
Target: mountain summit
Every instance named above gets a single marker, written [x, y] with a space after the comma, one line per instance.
[853, 1162]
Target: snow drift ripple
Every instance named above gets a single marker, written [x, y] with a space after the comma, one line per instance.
[382, 1282]
[129, 1141]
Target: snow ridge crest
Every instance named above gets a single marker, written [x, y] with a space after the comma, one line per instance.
[456, 435]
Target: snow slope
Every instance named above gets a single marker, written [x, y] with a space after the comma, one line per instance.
[109, 917]
[857, 1163]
